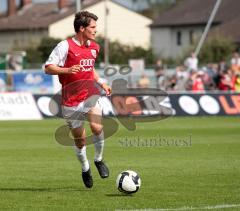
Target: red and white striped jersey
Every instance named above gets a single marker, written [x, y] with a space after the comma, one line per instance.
[80, 86]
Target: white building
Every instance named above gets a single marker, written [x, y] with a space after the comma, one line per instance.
[25, 27]
[175, 30]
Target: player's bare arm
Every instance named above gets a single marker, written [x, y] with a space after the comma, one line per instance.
[105, 87]
[56, 70]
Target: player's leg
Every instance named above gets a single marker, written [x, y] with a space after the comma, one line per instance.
[75, 121]
[95, 122]
[80, 146]
[79, 135]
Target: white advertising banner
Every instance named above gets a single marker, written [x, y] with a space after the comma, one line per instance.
[18, 106]
[137, 65]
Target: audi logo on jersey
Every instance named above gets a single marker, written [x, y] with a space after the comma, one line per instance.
[87, 62]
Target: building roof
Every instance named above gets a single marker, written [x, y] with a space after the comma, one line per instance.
[39, 16]
[34, 16]
[195, 12]
[228, 30]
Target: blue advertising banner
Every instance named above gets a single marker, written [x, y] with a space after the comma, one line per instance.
[3, 78]
[36, 82]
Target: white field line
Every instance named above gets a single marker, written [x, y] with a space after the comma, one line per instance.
[223, 206]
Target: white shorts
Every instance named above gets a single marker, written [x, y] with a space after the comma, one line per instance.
[76, 115]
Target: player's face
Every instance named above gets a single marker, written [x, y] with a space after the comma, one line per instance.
[90, 31]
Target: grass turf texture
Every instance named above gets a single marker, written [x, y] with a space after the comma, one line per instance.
[38, 173]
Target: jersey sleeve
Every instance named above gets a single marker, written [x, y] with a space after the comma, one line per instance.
[58, 55]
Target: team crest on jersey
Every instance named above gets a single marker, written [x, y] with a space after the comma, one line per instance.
[94, 53]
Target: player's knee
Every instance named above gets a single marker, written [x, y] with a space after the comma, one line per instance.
[80, 142]
[96, 128]
[80, 145]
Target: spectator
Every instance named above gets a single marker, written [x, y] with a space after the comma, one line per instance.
[222, 65]
[143, 81]
[161, 83]
[237, 83]
[171, 83]
[182, 77]
[235, 63]
[226, 82]
[15, 62]
[214, 73]
[158, 68]
[159, 74]
[197, 81]
[207, 80]
[191, 62]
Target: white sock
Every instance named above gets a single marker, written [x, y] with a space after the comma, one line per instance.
[82, 157]
[98, 146]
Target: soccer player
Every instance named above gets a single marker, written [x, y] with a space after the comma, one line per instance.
[73, 61]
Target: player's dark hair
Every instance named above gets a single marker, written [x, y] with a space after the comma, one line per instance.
[83, 19]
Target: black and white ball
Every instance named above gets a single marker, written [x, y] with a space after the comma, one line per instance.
[128, 182]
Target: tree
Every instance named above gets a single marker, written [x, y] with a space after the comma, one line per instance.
[216, 49]
[120, 53]
[46, 46]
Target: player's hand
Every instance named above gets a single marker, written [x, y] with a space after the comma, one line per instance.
[107, 89]
[75, 69]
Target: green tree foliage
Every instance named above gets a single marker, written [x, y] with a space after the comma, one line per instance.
[213, 50]
[118, 53]
[216, 49]
[121, 53]
[33, 55]
[46, 46]
[41, 53]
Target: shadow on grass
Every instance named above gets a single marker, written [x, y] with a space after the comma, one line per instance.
[31, 189]
[119, 195]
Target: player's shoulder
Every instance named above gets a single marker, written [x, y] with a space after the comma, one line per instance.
[94, 45]
[63, 45]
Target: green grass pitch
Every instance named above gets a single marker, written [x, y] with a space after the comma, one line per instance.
[37, 173]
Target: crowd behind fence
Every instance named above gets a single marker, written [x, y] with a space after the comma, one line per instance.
[222, 76]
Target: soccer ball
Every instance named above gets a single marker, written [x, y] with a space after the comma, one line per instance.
[128, 182]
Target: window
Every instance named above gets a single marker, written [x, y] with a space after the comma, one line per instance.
[191, 37]
[179, 38]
